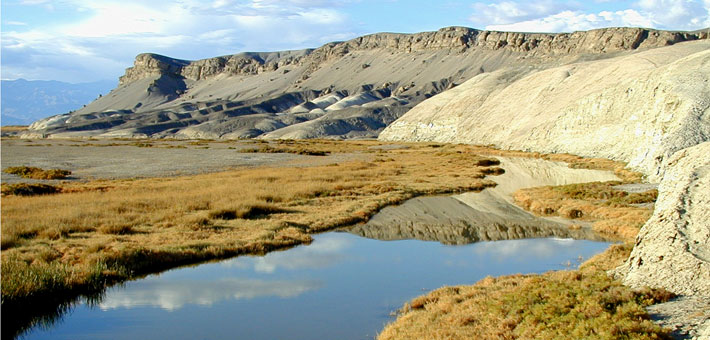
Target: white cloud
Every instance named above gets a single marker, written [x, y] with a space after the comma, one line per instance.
[174, 294]
[569, 21]
[677, 14]
[112, 32]
[553, 16]
[326, 251]
[507, 12]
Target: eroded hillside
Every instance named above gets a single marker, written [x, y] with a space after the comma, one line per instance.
[340, 90]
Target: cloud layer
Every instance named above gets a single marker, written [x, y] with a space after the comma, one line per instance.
[561, 16]
[78, 40]
[111, 33]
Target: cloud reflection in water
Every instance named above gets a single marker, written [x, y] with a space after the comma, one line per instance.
[325, 252]
[538, 248]
[172, 295]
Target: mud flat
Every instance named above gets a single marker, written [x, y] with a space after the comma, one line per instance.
[120, 159]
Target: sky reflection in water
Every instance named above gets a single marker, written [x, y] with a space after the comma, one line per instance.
[340, 287]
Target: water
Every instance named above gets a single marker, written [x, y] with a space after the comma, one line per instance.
[342, 286]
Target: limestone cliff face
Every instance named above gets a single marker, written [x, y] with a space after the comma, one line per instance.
[607, 40]
[672, 248]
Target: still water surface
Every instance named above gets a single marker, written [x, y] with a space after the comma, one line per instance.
[342, 286]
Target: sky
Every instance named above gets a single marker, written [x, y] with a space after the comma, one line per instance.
[83, 41]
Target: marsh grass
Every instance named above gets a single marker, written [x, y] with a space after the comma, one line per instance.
[298, 150]
[29, 189]
[131, 227]
[613, 212]
[37, 173]
[580, 304]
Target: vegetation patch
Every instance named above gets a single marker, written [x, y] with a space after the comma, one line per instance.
[248, 211]
[37, 173]
[293, 150]
[112, 230]
[580, 304]
[29, 189]
[613, 212]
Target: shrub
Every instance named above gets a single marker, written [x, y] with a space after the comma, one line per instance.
[249, 211]
[29, 189]
[37, 173]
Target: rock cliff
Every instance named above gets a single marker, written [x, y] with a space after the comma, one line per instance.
[672, 249]
[638, 108]
[650, 109]
[340, 90]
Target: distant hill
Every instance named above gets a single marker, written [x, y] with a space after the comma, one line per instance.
[25, 101]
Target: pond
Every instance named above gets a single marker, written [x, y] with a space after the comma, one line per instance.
[342, 286]
[347, 284]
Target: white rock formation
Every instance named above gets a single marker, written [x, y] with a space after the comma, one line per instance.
[672, 248]
[639, 108]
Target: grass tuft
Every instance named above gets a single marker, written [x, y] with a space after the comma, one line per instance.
[29, 189]
[581, 304]
[614, 212]
[247, 211]
[37, 173]
[294, 150]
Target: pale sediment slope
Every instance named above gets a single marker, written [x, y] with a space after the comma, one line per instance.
[650, 109]
[638, 108]
[374, 79]
[672, 248]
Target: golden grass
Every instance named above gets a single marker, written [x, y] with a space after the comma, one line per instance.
[298, 151]
[580, 304]
[13, 128]
[612, 211]
[29, 189]
[37, 173]
[103, 231]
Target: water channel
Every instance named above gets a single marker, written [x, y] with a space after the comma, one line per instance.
[346, 284]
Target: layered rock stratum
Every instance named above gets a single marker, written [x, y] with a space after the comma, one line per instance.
[340, 90]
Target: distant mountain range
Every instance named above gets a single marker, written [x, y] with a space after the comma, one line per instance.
[25, 101]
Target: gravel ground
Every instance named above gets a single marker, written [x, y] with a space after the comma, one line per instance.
[688, 317]
[111, 159]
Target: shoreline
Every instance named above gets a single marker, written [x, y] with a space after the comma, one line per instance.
[297, 236]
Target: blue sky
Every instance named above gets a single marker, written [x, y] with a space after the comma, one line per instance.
[82, 41]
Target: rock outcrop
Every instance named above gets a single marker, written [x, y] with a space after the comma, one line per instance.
[650, 109]
[673, 248]
[374, 80]
[639, 108]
